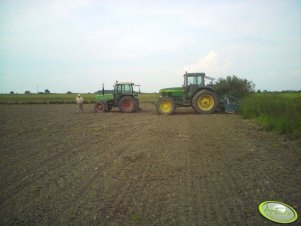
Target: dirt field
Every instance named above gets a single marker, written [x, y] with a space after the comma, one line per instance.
[62, 168]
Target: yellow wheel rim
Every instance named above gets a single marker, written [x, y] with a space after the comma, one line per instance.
[205, 102]
[165, 106]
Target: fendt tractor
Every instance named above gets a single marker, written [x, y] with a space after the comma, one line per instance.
[193, 93]
[123, 97]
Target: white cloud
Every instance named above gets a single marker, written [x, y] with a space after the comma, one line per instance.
[211, 64]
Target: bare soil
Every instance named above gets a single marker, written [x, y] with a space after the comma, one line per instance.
[62, 168]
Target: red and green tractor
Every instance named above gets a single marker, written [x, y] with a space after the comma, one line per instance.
[123, 97]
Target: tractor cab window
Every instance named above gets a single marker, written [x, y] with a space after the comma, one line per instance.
[194, 80]
[124, 88]
[119, 89]
[128, 88]
[190, 80]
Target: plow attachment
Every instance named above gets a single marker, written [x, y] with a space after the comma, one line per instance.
[231, 104]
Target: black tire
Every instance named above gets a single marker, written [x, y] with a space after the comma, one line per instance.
[101, 106]
[165, 106]
[205, 101]
[128, 104]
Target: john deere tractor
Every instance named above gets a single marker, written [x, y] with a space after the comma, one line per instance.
[193, 93]
[123, 97]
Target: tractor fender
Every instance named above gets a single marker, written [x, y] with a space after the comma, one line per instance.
[202, 88]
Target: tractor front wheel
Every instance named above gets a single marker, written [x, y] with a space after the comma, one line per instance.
[128, 104]
[165, 106]
[100, 106]
[205, 101]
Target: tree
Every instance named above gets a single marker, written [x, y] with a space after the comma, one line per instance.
[11, 92]
[47, 91]
[234, 86]
[27, 92]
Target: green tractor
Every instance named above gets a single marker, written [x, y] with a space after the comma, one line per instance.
[123, 97]
[194, 93]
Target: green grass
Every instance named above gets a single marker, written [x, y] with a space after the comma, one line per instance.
[148, 97]
[275, 111]
[42, 98]
[60, 98]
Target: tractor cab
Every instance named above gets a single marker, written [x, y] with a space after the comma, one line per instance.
[193, 81]
[123, 88]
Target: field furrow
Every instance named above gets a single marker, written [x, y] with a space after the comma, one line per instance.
[62, 168]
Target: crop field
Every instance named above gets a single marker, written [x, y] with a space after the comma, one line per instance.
[280, 112]
[43, 98]
[63, 168]
[61, 98]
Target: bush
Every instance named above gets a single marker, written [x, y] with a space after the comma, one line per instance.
[233, 86]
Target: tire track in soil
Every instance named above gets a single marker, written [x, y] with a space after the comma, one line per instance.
[53, 167]
[127, 191]
[158, 215]
[195, 180]
[202, 181]
[93, 179]
[175, 140]
[188, 210]
[33, 155]
[127, 200]
[12, 148]
[34, 128]
[118, 151]
[224, 185]
[125, 195]
[43, 168]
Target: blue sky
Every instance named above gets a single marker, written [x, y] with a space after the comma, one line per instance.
[77, 45]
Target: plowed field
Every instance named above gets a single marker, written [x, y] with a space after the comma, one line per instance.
[62, 168]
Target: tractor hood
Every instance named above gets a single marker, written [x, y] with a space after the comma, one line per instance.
[175, 91]
[105, 97]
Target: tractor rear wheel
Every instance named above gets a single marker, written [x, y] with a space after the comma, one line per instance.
[165, 106]
[205, 101]
[101, 106]
[128, 104]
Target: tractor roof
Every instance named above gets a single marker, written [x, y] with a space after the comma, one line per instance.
[124, 83]
[194, 74]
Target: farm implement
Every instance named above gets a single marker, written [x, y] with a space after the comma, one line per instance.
[194, 93]
[123, 97]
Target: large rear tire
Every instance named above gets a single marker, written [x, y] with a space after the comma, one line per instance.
[101, 106]
[128, 104]
[205, 101]
[165, 106]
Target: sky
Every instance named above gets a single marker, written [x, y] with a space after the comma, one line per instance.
[77, 45]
